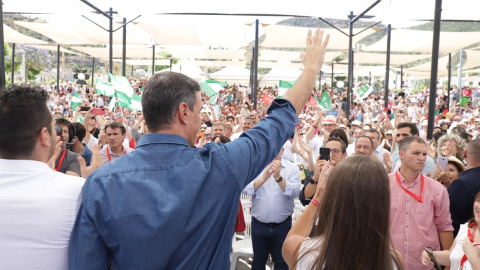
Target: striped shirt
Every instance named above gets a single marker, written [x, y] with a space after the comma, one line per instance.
[413, 224]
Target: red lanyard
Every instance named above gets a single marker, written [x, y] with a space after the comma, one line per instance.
[470, 236]
[60, 162]
[108, 154]
[418, 198]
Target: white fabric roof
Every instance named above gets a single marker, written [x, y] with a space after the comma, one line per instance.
[294, 37]
[13, 36]
[276, 55]
[381, 58]
[403, 40]
[145, 62]
[85, 32]
[231, 73]
[218, 34]
[442, 67]
[192, 71]
[282, 73]
[54, 48]
[393, 9]
[473, 59]
[132, 52]
[199, 52]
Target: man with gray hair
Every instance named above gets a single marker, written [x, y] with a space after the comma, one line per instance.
[462, 191]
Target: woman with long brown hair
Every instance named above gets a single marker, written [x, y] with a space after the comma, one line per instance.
[353, 228]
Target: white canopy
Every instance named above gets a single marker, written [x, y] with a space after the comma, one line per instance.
[231, 73]
[13, 36]
[282, 73]
[278, 36]
[403, 40]
[473, 59]
[426, 67]
[381, 58]
[132, 51]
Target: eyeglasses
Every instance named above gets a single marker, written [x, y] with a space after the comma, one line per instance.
[335, 151]
[208, 135]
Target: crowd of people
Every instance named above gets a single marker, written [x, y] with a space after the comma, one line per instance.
[163, 184]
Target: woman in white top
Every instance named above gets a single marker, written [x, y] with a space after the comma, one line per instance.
[465, 252]
[353, 228]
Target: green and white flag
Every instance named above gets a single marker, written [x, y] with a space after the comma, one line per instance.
[364, 91]
[76, 101]
[283, 87]
[211, 88]
[111, 105]
[123, 88]
[104, 88]
[325, 102]
[136, 103]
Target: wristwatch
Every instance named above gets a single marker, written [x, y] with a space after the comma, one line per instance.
[279, 180]
[312, 182]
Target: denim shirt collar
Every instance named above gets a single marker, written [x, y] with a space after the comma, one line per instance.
[161, 138]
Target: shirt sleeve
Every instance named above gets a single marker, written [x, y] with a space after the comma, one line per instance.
[87, 250]
[249, 154]
[74, 165]
[250, 188]
[294, 184]
[429, 166]
[442, 217]
[301, 195]
[458, 203]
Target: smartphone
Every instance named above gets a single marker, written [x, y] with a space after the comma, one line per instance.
[84, 109]
[442, 162]
[98, 111]
[324, 153]
[432, 257]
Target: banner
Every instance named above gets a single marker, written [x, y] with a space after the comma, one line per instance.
[76, 101]
[123, 89]
[364, 91]
[283, 87]
[324, 102]
[267, 99]
[210, 87]
[104, 88]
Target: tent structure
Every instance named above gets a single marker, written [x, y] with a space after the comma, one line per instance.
[426, 67]
[231, 73]
[404, 40]
[192, 71]
[13, 36]
[282, 73]
[380, 58]
[473, 59]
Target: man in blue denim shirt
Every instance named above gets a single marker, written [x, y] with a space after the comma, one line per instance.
[168, 205]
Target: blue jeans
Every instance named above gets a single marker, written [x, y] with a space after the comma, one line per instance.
[269, 240]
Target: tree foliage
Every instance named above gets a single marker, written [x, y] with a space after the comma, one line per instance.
[36, 59]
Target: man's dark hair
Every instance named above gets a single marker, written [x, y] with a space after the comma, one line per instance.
[465, 136]
[115, 125]
[164, 92]
[23, 114]
[80, 131]
[230, 117]
[335, 139]
[372, 130]
[458, 130]
[248, 117]
[405, 143]
[412, 126]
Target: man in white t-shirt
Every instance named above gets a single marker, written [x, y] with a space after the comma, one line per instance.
[38, 205]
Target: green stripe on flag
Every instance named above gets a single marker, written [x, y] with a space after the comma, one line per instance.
[76, 101]
[104, 88]
[111, 105]
[222, 84]
[136, 103]
[364, 91]
[283, 87]
[210, 88]
[325, 102]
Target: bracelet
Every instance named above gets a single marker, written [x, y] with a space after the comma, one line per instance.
[315, 202]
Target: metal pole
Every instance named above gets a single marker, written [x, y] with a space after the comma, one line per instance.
[2, 51]
[93, 70]
[401, 77]
[460, 71]
[111, 41]
[370, 78]
[124, 48]
[332, 77]
[58, 68]
[153, 60]
[171, 61]
[255, 61]
[13, 64]
[387, 69]
[132, 71]
[434, 70]
[252, 69]
[350, 64]
[449, 79]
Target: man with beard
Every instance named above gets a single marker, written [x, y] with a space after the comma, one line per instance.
[38, 205]
[66, 161]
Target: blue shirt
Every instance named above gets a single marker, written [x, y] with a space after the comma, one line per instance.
[87, 154]
[169, 206]
[270, 204]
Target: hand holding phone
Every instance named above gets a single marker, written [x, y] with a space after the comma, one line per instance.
[98, 111]
[324, 153]
[442, 162]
